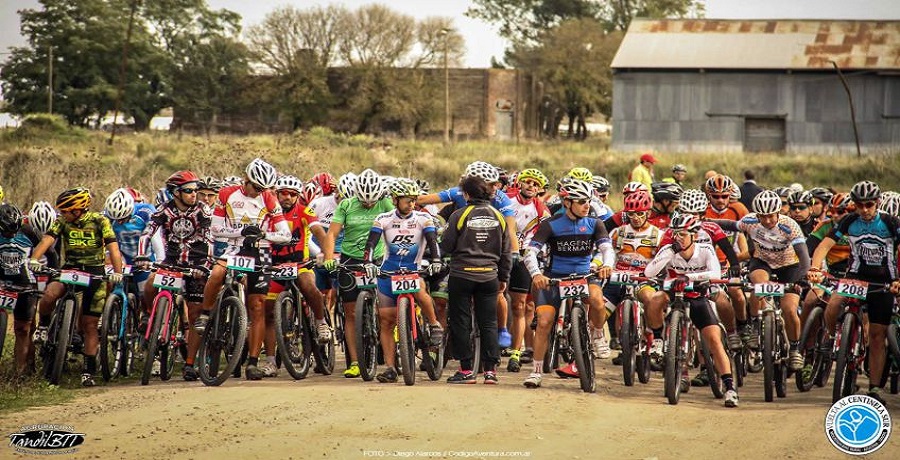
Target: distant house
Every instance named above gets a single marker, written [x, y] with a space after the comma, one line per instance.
[756, 85]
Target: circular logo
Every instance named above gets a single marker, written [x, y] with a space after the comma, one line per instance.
[858, 425]
[183, 228]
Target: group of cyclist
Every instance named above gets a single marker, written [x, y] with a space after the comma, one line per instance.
[497, 232]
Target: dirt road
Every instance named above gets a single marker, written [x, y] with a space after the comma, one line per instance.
[333, 417]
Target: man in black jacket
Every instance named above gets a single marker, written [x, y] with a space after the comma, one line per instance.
[478, 245]
[749, 189]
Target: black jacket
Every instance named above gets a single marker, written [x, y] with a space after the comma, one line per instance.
[749, 190]
[478, 244]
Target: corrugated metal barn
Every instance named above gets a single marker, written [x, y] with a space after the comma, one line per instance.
[756, 85]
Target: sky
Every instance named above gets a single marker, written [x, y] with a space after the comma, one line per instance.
[482, 40]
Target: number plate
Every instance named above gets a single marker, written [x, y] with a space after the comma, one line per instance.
[573, 288]
[126, 270]
[284, 272]
[41, 281]
[405, 284]
[853, 288]
[363, 281]
[621, 277]
[667, 285]
[8, 299]
[75, 277]
[768, 289]
[241, 263]
[164, 279]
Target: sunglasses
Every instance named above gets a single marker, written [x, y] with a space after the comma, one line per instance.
[289, 193]
[801, 207]
[581, 201]
[636, 213]
[865, 204]
[717, 196]
[189, 191]
[683, 234]
[531, 183]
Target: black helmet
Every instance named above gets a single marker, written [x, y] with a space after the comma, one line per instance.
[822, 194]
[666, 191]
[10, 218]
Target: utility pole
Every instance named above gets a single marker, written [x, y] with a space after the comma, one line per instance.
[134, 4]
[50, 80]
[445, 33]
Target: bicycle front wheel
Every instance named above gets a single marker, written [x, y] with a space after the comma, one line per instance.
[768, 355]
[407, 344]
[223, 342]
[674, 356]
[289, 336]
[844, 376]
[153, 341]
[628, 337]
[367, 341]
[111, 343]
[715, 382]
[810, 344]
[584, 358]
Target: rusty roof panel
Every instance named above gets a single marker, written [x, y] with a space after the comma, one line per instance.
[759, 44]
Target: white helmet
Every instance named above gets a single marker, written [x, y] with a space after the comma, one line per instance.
[119, 204]
[693, 201]
[347, 185]
[483, 170]
[890, 205]
[767, 202]
[577, 190]
[41, 216]
[231, 180]
[289, 183]
[369, 186]
[261, 174]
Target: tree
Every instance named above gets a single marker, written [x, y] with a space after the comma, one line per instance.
[283, 41]
[573, 61]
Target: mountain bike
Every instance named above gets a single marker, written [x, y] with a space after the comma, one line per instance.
[120, 342]
[63, 322]
[570, 336]
[414, 335]
[635, 340]
[367, 340]
[225, 337]
[816, 353]
[774, 343]
[168, 325]
[295, 326]
[849, 347]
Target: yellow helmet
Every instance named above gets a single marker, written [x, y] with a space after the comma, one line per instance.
[583, 174]
[533, 174]
[74, 199]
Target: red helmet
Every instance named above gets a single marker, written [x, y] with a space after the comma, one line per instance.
[309, 192]
[138, 198]
[638, 201]
[179, 179]
[325, 182]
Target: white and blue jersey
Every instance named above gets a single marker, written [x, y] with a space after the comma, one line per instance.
[404, 239]
[500, 201]
[128, 235]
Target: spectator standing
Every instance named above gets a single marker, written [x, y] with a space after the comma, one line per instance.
[643, 172]
[749, 189]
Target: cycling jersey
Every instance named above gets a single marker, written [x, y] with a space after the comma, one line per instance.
[128, 234]
[773, 246]
[500, 201]
[324, 207]
[571, 244]
[873, 245]
[84, 241]
[186, 234]
[299, 219]
[14, 254]
[529, 214]
[634, 248]
[404, 237]
[710, 233]
[838, 255]
[703, 264]
[356, 221]
[235, 210]
[808, 226]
